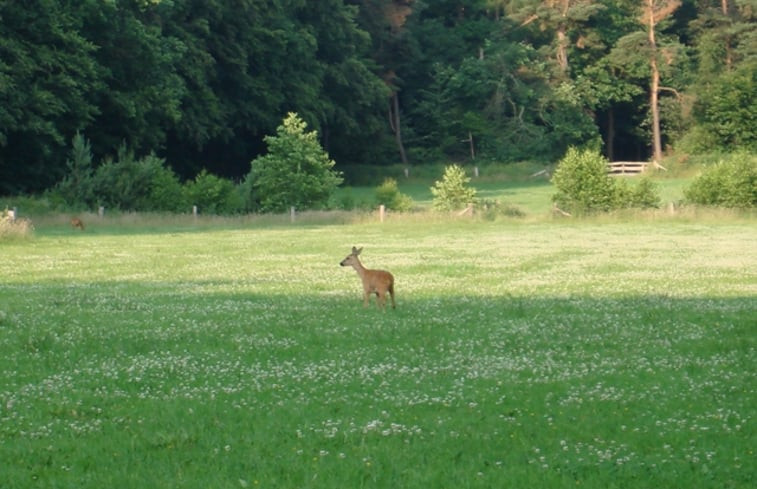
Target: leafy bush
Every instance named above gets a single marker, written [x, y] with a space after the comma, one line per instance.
[582, 183]
[127, 183]
[29, 204]
[295, 172]
[452, 191]
[583, 186]
[730, 183]
[137, 184]
[213, 194]
[643, 195]
[388, 194]
[166, 192]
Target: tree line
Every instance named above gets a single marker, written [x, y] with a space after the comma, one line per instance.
[201, 83]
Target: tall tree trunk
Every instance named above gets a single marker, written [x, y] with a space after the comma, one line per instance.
[610, 134]
[394, 122]
[652, 12]
[728, 48]
[654, 93]
[562, 50]
[562, 38]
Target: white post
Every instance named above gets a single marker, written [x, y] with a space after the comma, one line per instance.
[194, 211]
[12, 215]
[101, 212]
[407, 172]
[291, 214]
[382, 212]
[475, 171]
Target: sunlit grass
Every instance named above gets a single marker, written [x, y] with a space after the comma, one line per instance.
[238, 354]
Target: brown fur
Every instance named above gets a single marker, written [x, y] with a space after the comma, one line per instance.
[379, 282]
[77, 223]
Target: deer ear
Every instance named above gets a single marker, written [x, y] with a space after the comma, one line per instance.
[357, 251]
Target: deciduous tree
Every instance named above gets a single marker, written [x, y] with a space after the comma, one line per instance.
[296, 171]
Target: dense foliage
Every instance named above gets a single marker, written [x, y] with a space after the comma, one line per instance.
[388, 194]
[296, 172]
[584, 186]
[730, 183]
[200, 84]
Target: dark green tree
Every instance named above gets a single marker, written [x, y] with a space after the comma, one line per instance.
[725, 89]
[77, 187]
[296, 172]
[47, 80]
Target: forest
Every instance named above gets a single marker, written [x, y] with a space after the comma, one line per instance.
[199, 84]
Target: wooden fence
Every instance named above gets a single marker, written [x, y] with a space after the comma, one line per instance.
[626, 167]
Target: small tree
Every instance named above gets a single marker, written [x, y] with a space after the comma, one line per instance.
[452, 191]
[76, 189]
[389, 195]
[583, 184]
[295, 172]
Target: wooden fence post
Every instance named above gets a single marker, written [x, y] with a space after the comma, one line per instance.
[382, 212]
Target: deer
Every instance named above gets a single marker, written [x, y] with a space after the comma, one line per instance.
[77, 223]
[377, 282]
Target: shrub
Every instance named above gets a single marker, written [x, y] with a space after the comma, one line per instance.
[166, 192]
[452, 191]
[643, 195]
[732, 182]
[295, 172]
[213, 194]
[582, 183]
[137, 184]
[389, 195]
[127, 183]
[583, 186]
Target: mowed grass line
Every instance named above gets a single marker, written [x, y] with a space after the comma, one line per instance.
[540, 355]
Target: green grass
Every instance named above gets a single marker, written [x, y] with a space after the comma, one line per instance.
[238, 354]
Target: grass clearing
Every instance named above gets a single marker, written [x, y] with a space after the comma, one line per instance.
[238, 354]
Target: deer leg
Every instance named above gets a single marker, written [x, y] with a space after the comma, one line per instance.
[366, 298]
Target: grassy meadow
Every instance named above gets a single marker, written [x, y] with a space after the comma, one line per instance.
[551, 354]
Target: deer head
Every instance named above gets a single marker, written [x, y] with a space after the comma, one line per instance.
[351, 259]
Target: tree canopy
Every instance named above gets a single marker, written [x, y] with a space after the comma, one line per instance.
[200, 84]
